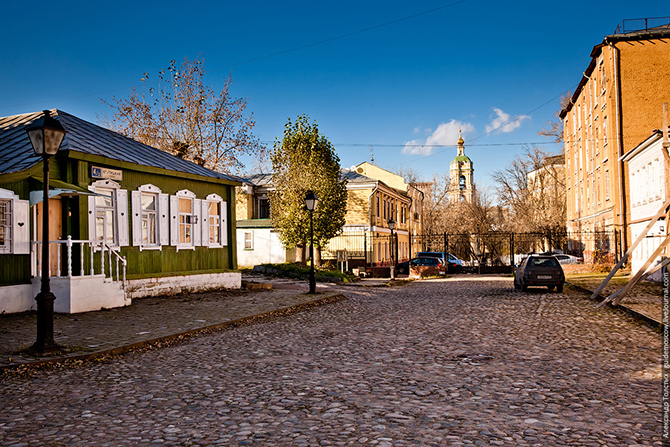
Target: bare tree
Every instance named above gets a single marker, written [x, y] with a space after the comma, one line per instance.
[554, 129]
[532, 188]
[410, 174]
[189, 119]
[436, 205]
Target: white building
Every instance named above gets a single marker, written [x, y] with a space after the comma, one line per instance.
[647, 179]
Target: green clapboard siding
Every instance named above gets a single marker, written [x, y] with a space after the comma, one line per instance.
[14, 269]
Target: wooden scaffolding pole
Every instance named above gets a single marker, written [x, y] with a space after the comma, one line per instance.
[651, 271]
[618, 296]
[664, 209]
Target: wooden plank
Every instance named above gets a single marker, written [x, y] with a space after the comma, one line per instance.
[642, 270]
[639, 239]
[650, 272]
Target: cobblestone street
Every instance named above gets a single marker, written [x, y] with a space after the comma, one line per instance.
[450, 362]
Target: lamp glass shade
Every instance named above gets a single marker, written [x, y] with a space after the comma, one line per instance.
[311, 200]
[391, 224]
[46, 135]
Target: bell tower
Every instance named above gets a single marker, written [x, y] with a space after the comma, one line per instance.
[461, 173]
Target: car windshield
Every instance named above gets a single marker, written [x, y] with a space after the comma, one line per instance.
[542, 262]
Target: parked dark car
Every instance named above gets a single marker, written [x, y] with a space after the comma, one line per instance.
[454, 264]
[422, 261]
[539, 271]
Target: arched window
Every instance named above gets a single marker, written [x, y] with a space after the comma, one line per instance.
[462, 182]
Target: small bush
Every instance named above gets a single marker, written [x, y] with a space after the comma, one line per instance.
[300, 271]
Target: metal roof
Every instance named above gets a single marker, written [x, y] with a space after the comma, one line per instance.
[265, 180]
[16, 152]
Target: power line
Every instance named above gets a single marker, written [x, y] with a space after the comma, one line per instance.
[488, 133]
[342, 36]
[279, 53]
[382, 145]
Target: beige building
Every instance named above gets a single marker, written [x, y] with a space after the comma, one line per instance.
[616, 104]
[547, 186]
[375, 197]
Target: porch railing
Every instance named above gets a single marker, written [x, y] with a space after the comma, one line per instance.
[102, 259]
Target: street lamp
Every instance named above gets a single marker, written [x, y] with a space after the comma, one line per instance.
[310, 203]
[391, 224]
[46, 135]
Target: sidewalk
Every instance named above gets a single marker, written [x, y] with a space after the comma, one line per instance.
[153, 320]
[644, 300]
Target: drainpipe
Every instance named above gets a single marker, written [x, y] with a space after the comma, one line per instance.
[622, 180]
[372, 247]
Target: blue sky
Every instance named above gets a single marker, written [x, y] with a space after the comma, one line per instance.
[369, 72]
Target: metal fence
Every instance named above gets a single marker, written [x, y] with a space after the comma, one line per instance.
[631, 25]
[490, 249]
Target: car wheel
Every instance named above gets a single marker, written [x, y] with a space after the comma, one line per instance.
[550, 287]
[559, 289]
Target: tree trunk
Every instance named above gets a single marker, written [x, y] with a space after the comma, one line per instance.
[300, 254]
[317, 256]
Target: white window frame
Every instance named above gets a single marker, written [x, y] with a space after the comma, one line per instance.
[195, 220]
[221, 221]
[248, 237]
[120, 227]
[162, 220]
[17, 226]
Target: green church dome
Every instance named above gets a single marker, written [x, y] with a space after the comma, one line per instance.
[464, 158]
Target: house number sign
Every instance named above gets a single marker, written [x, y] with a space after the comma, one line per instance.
[106, 173]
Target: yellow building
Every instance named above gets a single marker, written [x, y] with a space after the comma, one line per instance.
[617, 103]
[374, 197]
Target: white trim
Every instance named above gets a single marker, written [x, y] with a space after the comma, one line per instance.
[18, 224]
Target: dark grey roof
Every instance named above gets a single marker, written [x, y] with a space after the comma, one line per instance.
[265, 180]
[355, 177]
[258, 179]
[16, 152]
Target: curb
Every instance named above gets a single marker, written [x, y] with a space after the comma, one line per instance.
[177, 338]
[638, 315]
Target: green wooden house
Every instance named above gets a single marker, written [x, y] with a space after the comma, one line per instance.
[126, 220]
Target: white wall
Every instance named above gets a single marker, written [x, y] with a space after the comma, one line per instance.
[91, 293]
[172, 285]
[266, 248]
[646, 169]
[73, 295]
[647, 246]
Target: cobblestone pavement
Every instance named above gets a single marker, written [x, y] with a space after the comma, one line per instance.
[450, 362]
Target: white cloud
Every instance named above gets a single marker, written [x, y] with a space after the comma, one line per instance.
[446, 134]
[504, 122]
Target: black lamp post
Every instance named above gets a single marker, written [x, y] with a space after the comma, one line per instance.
[310, 203]
[46, 135]
[391, 224]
